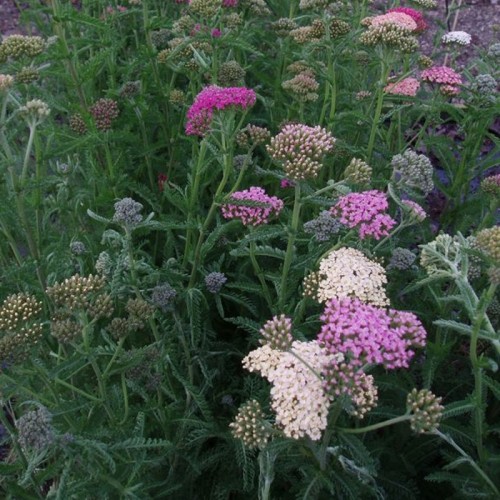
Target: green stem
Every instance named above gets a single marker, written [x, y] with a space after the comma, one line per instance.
[374, 427]
[289, 249]
[469, 460]
[260, 275]
[477, 370]
[384, 73]
[27, 154]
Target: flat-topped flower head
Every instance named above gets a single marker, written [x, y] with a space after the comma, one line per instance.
[456, 37]
[368, 334]
[426, 4]
[346, 272]
[214, 98]
[298, 396]
[365, 211]
[252, 206]
[400, 19]
[300, 148]
[448, 79]
[416, 15]
[407, 87]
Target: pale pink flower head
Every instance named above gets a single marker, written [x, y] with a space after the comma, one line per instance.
[300, 148]
[415, 211]
[399, 19]
[213, 98]
[416, 15]
[365, 211]
[407, 87]
[252, 206]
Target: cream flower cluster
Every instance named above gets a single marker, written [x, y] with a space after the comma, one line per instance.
[346, 272]
[457, 37]
[298, 396]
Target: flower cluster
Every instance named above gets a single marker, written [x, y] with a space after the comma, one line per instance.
[456, 37]
[6, 82]
[215, 281]
[399, 19]
[323, 227]
[277, 333]
[230, 74]
[365, 211]
[17, 309]
[358, 172]
[205, 8]
[344, 379]
[127, 212]
[18, 46]
[301, 148]
[426, 410]
[416, 212]
[447, 79]
[297, 397]
[252, 135]
[416, 15]
[407, 87]
[413, 171]
[391, 35]
[303, 86]
[163, 296]
[369, 334]
[346, 272]
[402, 259]
[426, 4]
[35, 431]
[104, 111]
[74, 292]
[253, 206]
[313, 33]
[214, 98]
[35, 110]
[491, 185]
[250, 425]
[488, 241]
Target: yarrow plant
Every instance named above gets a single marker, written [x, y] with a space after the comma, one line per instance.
[212, 99]
[252, 206]
[300, 148]
[365, 211]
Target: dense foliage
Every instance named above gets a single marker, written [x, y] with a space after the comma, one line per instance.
[249, 249]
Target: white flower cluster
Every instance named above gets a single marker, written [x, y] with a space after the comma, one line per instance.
[346, 272]
[458, 37]
[297, 397]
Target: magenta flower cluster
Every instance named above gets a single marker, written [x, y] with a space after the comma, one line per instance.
[212, 98]
[229, 3]
[366, 211]
[258, 210]
[368, 334]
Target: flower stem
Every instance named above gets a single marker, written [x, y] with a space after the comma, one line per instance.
[289, 249]
[374, 427]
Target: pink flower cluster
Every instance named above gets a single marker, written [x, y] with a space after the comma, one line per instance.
[368, 334]
[366, 211]
[408, 87]
[399, 19]
[416, 211]
[414, 14]
[229, 3]
[448, 79]
[258, 210]
[212, 98]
